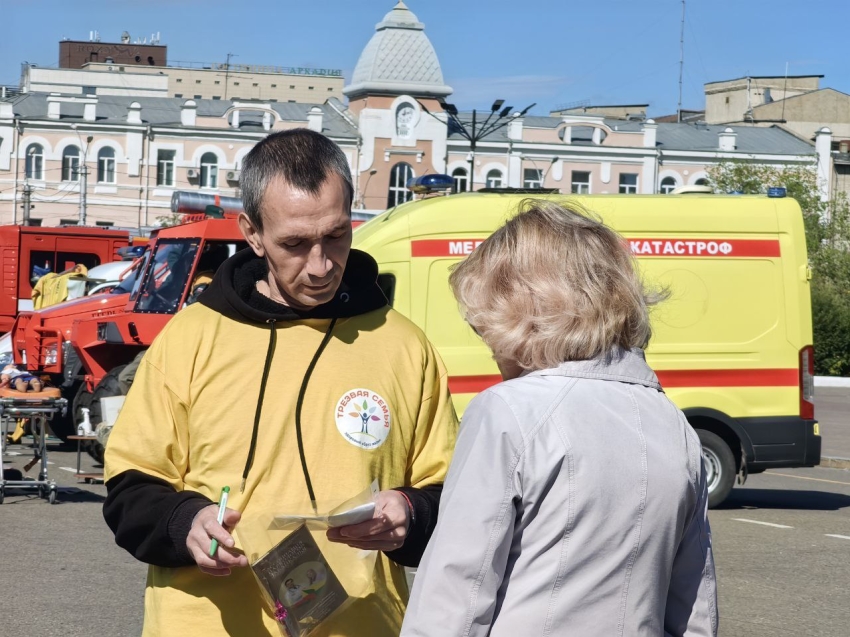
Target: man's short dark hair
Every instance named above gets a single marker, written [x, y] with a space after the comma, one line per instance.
[303, 158]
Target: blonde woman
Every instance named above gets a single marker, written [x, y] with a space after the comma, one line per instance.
[576, 500]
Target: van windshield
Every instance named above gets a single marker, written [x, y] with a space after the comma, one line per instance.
[165, 280]
[128, 282]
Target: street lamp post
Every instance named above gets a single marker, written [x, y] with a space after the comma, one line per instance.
[84, 172]
[546, 173]
[365, 188]
[477, 133]
[541, 173]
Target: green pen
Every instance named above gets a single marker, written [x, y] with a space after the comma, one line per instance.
[222, 505]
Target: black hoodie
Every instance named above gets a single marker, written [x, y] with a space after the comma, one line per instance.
[151, 520]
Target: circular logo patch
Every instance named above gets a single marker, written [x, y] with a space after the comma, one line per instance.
[363, 418]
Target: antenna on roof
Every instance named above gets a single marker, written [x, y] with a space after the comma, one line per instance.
[681, 62]
[784, 92]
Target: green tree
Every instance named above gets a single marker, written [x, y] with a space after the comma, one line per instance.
[827, 225]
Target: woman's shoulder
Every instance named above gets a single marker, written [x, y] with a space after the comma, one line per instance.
[520, 403]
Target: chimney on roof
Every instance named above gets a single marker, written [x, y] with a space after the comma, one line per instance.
[650, 133]
[90, 109]
[188, 113]
[314, 119]
[515, 127]
[134, 113]
[727, 140]
[54, 106]
[823, 148]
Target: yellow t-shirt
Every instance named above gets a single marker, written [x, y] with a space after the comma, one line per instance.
[188, 421]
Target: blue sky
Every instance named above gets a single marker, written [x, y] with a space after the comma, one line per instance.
[547, 51]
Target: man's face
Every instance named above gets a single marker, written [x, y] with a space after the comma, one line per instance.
[305, 240]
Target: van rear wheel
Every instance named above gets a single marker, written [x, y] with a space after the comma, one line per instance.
[719, 467]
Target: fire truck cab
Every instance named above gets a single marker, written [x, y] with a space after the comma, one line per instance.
[29, 252]
[175, 270]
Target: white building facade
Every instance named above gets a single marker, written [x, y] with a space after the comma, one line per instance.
[138, 150]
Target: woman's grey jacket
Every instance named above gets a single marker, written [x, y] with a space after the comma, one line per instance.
[575, 505]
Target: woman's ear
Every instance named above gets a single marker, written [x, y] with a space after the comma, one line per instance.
[251, 234]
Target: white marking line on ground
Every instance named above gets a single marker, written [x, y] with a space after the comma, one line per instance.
[788, 475]
[11, 453]
[71, 469]
[778, 526]
[840, 537]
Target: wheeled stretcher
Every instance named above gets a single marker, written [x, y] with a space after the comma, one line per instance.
[37, 408]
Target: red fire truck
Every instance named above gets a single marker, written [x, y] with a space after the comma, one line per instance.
[28, 252]
[86, 344]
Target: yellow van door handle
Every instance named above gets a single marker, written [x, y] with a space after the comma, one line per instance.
[805, 273]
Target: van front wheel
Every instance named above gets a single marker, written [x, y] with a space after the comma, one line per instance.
[719, 467]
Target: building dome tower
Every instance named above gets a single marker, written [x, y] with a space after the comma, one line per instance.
[399, 59]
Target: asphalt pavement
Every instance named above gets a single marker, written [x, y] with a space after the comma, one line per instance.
[782, 547]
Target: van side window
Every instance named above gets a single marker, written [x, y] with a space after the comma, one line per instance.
[387, 284]
[41, 262]
[67, 260]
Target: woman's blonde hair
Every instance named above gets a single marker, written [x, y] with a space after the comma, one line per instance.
[551, 285]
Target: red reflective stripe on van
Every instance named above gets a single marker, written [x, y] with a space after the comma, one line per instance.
[668, 378]
[443, 247]
[646, 247]
[643, 247]
[472, 384]
[729, 377]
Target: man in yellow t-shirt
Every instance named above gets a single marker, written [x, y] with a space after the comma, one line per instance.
[291, 381]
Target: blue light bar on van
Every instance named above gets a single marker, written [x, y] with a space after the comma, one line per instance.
[131, 252]
[776, 191]
[430, 183]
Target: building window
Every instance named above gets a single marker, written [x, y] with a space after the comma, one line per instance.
[217, 81]
[398, 192]
[89, 90]
[274, 85]
[272, 99]
[310, 88]
[460, 179]
[255, 84]
[291, 101]
[236, 84]
[178, 95]
[197, 97]
[292, 86]
[165, 167]
[668, 185]
[216, 97]
[197, 81]
[35, 162]
[106, 165]
[628, 183]
[104, 224]
[209, 170]
[494, 179]
[580, 182]
[702, 181]
[330, 88]
[71, 164]
[179, 80]
[532, 178]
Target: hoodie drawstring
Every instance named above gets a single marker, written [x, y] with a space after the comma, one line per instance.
[259, 411]
[302, 391]
[299, 404]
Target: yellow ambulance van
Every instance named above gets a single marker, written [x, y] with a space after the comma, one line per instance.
[732, 346]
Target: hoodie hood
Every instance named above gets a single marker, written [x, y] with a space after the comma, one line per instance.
[233, 291]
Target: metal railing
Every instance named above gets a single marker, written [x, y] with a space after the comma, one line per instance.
[255, 68]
